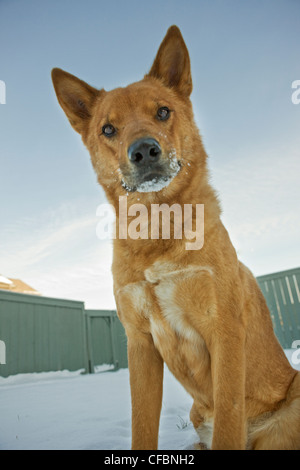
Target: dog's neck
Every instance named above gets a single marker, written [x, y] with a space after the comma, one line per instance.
[197, 190]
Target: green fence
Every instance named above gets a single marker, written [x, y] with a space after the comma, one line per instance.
[282, 293]
[40, 334]
[106, 339]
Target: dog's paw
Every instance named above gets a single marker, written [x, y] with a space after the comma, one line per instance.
[200, 446]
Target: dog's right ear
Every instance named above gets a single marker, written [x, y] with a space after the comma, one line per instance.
[76, 98]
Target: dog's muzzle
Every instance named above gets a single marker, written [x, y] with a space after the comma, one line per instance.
[145, 152]
[149, 169]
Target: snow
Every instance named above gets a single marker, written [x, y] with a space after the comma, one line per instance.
[158, 183]
[69, 410]
[4, 280]
[155, 185]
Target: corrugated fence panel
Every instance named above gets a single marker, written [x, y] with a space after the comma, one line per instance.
[107, 342]
[282, 293]
[99, 331]
[41, 334]
[121, 344]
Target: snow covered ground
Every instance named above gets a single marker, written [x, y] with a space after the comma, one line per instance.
[68, 410]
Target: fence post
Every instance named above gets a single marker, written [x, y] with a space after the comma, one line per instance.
[91, 365]
[112, 336]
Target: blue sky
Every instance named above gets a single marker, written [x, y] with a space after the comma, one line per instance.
[244, 55]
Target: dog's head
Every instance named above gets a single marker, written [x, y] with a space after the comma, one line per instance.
[142, 138]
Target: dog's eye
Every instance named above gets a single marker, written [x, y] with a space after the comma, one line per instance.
[108, 130]
[163, 113]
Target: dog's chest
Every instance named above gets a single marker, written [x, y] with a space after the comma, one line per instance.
[181, 346]
[182, 349]
[157, 309]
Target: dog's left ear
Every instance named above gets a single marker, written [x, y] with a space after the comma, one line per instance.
[172, 63]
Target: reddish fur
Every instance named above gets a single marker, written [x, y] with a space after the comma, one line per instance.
[201, 311]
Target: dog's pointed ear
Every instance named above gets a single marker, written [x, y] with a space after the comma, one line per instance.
[75, 97]
[172, 63]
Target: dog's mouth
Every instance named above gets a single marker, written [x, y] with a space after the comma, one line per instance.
[151, 179]
[155, 184]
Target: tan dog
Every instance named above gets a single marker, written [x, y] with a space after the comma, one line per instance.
[199, 311]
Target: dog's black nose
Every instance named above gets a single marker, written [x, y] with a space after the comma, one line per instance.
[144, 151]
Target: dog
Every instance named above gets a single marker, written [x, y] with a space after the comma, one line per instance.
[200, 311]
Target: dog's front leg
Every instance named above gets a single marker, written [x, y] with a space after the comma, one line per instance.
[223, 333]
[145, 364]
[228, 374]
[146, 383]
